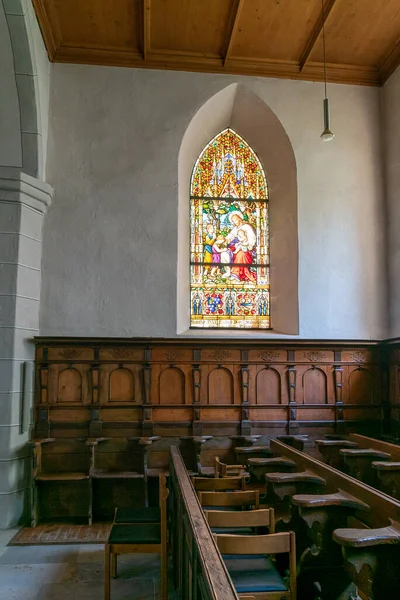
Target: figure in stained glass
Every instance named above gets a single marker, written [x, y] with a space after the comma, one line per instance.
[229, 237]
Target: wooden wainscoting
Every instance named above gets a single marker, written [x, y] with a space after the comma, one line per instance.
[144, 387]
[392, 352]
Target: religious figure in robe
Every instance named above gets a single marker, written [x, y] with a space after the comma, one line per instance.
[241, 240]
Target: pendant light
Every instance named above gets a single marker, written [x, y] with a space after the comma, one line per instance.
[327, 134]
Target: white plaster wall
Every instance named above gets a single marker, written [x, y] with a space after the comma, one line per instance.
[391, 112]
[110, 238]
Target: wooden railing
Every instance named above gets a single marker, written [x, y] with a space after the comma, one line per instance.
[199, 571]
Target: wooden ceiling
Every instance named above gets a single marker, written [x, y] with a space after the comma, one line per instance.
[268, 38]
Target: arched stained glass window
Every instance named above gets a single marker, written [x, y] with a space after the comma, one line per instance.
[229, 241]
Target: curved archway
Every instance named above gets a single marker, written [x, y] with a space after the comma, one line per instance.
[239, 108]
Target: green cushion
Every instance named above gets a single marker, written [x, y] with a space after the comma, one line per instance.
[143, 533]
[233, 530]
[253, 573]
[138, 515]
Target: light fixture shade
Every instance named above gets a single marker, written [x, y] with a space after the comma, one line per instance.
[327, 134]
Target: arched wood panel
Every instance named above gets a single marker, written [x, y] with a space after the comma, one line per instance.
[361, 387]
[70, 386]
[122, 386]
[268, 387]
[172, 386]
[315, 387]
[220, 386]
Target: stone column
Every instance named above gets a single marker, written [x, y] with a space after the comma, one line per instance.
[23, 204]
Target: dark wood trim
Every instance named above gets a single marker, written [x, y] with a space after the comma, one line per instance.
[329, 4]
[233, 25]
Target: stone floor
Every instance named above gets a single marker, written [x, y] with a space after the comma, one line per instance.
[73, 572]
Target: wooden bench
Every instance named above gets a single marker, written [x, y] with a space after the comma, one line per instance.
[246, 452]
[372, 559]
[198, 569]
[61, 480]
[296, 441]
[388, 477]
[330, 449]
[357, 462]
[190, 447]
[259, 467]
[319, 514]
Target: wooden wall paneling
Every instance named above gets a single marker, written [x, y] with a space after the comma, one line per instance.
[268, 385]
[147, 423]
[196, 378]
[221, 384]
[292, 382]
[338, 388]
[172, 385]
[69, 386]
[186, 388]
[245, 423]
[122, 384]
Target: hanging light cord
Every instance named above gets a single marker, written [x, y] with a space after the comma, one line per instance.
[323, 43]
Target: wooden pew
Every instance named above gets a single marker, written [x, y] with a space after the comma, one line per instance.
[246, 452]
[388, 477]
[387, 473]
[281, 487]
[330, 450]
[198, 569]
[372, 559]
[61, 480]
[382, 508]
[296, 441]
[357, 462]
[259, 467]
[190, 447]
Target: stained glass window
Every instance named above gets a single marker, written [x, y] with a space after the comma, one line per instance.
[229, 241]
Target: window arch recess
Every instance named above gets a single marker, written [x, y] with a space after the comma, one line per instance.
[229, 237]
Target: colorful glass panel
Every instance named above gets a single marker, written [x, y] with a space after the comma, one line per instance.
[229, 249]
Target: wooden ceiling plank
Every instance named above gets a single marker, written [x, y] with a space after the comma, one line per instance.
[329, 4]
[236, 11]
[49, 26]
[390, 64]
[146, 27]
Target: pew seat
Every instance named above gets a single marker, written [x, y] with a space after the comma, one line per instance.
[253, 574]
[137, 515]
[249, 560]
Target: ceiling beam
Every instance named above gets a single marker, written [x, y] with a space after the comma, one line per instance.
[146, 27]
[390, 64]
[329, 4]
[233, 25]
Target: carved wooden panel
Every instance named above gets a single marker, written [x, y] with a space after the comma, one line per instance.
[122, 386]
[268, 386]
[70, 386]
[220, 386]
[315, 386]
[194, 387]
[172, 386]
